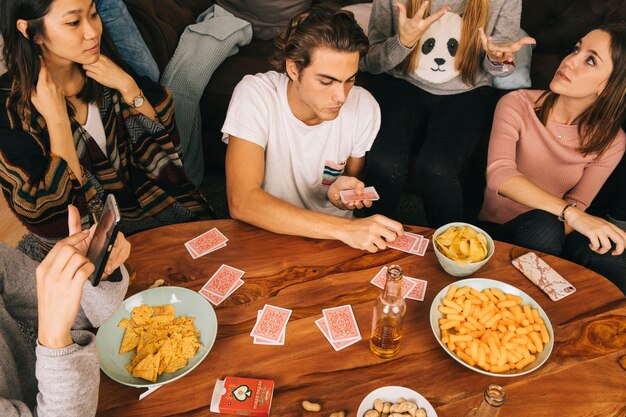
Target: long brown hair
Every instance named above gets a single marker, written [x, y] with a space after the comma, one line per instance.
[21, 54]
[599, 124]
[467, 60]
[320, 26]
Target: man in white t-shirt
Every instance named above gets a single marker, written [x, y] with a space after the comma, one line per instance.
[297, 137]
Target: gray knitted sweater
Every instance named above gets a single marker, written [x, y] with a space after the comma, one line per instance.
[386, 51]
[48, 382]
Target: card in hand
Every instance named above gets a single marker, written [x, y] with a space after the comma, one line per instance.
[321, 324]
[405, 243]
[350, 196]
[207, 242]
[223, 280]
[271, 323]
[341, 323]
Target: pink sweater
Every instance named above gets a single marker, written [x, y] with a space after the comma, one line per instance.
[548, 156]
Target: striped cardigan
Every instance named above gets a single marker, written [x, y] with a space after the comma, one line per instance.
[143, 168]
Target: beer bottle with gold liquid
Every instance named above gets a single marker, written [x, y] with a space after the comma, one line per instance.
[388, 315]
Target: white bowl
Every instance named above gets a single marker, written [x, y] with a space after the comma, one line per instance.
[481, 284]
[391, 394]
[454, 268]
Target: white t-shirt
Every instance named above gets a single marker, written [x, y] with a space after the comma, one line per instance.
[95, 128]
[301, 161]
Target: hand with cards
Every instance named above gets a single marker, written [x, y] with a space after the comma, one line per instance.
[410, 243]
[339, 327]
[348, 193]
[225, 281]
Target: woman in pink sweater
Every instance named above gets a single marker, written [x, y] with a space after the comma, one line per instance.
[550, 153]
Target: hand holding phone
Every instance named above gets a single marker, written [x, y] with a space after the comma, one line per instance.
[542, 275]
[103, 238]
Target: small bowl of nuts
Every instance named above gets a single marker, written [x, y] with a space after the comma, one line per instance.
[392, 399]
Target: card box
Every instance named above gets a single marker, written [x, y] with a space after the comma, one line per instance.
[242, 396]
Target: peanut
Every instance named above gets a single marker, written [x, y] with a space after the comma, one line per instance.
[378, 405]
[338, 414]
[371, 413]
[309, 406]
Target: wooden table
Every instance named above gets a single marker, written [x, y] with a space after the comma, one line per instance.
[582, 377]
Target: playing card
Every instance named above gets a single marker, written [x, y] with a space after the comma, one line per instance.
[262, 341]
[321, 324]
[216, 299]
[404, 243]
[341, 323]
[271, 323]
[223, 280]
[419, 289]
[207, 242]
[368, 193]
[380, 279]
[195, 255]
[421, 247]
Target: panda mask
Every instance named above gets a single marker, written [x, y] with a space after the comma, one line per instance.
[437, 48]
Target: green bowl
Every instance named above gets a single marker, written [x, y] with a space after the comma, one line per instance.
[186, 303]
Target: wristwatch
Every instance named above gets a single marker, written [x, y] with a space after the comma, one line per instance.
[138, 101]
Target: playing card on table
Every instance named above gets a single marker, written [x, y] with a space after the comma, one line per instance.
[216, 299]
[418, 290]
[368, 193]
[261, 341]
[271, 323]
[321, 324]
[223, 280]
[341, 323]
[380, 279]
[207, 242]
[406, 242]
[420, 247]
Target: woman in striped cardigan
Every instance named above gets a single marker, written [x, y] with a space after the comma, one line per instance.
[75, 125]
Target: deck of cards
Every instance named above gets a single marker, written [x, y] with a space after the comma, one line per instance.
[225, 281]
[206, 243]
[270, 326]
[352, 196]
[412, 288]
[339, 327]
[410, 243]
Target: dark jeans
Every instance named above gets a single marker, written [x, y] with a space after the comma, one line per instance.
[542, 231]
[440, 131]
[618, 201]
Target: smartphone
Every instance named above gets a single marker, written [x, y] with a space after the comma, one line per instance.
[543, 276]
[103, 238]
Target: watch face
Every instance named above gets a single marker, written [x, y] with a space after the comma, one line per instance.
[138, 101]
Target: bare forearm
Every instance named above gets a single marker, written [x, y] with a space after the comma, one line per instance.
[62, 144]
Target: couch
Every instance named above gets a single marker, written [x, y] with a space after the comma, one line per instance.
[555, 24]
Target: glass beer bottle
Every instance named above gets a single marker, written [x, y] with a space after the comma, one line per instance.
[389, 311]
[492, 401]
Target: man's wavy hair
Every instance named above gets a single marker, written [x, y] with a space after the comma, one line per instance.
[320, 26]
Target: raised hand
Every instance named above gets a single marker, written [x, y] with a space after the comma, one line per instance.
[121, 247]
[346, 183]
[48, 98]
[504, 52]
[600, 232]
[107, 73]
[60, 279]
[410, 30]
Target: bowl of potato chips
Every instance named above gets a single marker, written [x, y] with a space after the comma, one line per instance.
[491, 327]
[462, 248]
[156, 336]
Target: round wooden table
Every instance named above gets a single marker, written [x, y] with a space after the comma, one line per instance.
[584, 376]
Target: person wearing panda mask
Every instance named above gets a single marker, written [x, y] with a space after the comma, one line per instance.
[436, 61]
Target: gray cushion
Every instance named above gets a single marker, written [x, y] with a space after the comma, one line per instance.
[268, 17]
